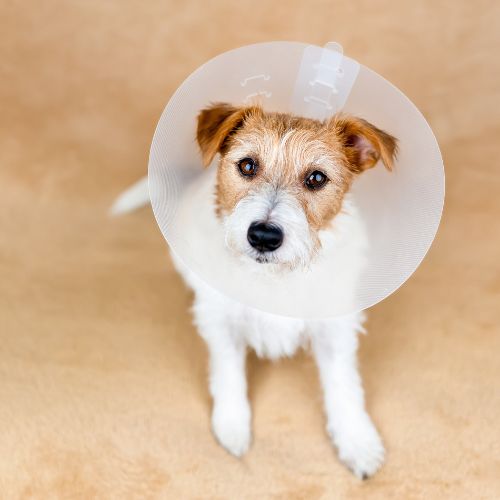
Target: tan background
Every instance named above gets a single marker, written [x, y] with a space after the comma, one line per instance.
[102, 376]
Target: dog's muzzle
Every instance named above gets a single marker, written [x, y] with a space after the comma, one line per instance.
[264, 237]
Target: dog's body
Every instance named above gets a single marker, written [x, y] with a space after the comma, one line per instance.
[281, 196]
[228, 328]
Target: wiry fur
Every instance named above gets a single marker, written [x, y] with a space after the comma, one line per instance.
[287, 149]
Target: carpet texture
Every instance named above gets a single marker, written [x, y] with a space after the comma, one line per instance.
[102, 377]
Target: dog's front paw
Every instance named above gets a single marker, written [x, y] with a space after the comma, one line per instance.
[359, 447]
[231, 426]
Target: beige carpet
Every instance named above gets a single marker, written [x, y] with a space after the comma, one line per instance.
[102, 376]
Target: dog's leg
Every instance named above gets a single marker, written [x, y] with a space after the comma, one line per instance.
[334, 345]
[231, 412]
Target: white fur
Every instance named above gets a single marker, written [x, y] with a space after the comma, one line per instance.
[230, 327]
[278, 207]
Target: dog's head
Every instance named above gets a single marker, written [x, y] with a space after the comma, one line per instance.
[281, 179]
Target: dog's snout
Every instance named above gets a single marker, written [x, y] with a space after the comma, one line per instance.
[264, 237]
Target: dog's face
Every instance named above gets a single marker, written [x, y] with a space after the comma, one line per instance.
[281, 179]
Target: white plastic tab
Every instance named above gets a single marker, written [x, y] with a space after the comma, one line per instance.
[324, 81]
[244, 82]
[258, 84]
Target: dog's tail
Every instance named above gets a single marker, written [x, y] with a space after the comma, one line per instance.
[136, 196]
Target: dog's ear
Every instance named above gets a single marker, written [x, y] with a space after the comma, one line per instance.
[215, 124]
[364, 144]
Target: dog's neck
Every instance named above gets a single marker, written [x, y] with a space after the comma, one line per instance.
[331, 278]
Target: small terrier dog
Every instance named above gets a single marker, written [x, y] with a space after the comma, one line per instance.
[282, 188]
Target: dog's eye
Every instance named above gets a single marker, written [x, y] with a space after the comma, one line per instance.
[315, 180]
[247, 167]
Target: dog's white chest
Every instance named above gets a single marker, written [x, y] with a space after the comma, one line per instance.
[272, 336]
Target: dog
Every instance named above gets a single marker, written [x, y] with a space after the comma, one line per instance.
[281, 201]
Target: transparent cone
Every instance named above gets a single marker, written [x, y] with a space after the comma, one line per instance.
[399, 210]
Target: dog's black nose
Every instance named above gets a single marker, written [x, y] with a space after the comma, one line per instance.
[264, 237]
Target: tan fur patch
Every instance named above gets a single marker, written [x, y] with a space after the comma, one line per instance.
[287, 149]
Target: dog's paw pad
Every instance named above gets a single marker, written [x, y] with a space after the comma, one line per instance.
[231, 427]
[362, 451]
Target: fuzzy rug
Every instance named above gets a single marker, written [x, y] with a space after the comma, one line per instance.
[102, 377]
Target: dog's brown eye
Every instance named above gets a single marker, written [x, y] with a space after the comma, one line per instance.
[315, 180]
[247, 167]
